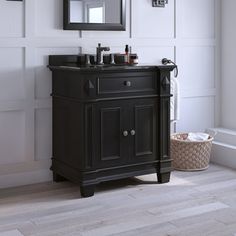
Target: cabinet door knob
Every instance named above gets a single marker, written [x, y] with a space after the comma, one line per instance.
[132, 132]
[125, 133]
[127, 83]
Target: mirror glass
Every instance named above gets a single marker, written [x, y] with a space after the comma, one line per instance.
[95, 11]
[94, 14]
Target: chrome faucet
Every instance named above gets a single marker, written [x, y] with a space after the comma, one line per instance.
[99, 53]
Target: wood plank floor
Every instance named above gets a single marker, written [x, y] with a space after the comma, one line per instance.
[192, 204]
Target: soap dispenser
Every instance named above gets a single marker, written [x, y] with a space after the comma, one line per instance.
[126, 61]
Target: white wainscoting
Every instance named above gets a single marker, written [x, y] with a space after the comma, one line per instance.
[186, 31]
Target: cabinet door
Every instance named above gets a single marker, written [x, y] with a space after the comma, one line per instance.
[144, 131]
[111, 134]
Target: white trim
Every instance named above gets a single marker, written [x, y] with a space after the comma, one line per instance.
[224, 147]
[25, 178]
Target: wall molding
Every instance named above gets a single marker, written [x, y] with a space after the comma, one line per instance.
[25, 178]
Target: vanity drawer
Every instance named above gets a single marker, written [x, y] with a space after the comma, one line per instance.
[132, 83]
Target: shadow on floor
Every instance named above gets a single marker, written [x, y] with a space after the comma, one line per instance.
[122, 183]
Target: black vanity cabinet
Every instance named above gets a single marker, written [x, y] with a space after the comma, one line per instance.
[110, 123]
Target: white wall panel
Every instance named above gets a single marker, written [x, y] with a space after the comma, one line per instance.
[228, 115]
[12, 19]
[153, 22]
[154, 55]
[43, 134]
[12, 85]
[42, 73]
[196, 114]
[198, 18]
[49, 19]
[198, 68]
[12, 137]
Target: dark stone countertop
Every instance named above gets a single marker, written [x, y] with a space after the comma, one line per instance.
[69, 62]
[108, 67]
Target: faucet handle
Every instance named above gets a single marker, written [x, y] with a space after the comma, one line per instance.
[112, 58]
[87, 60]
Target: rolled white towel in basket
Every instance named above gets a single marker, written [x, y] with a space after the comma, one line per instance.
[175, 99]
[198, 137]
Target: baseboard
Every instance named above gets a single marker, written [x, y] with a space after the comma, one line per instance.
[25, 178]
[224, 135]
[224, 147]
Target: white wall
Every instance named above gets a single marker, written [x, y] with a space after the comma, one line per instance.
[184, 31]
[228, 115]
[224, 146]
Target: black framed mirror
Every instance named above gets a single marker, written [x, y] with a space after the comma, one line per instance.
[94, 15]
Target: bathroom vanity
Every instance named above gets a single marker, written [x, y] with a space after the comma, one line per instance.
[109, 122]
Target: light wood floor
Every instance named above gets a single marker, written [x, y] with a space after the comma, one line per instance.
[192, 204]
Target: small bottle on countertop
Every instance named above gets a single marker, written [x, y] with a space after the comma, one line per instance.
[133, 59]
[126, 61]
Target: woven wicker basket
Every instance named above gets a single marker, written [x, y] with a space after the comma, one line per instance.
[190, 155]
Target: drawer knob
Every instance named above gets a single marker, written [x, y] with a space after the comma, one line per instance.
[132, 132]
[127, 83]
[125, 133]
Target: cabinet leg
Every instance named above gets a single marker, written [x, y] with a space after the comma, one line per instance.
[87, 191]
[163, 178]
[58, 178]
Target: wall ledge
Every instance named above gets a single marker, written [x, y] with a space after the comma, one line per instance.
[224, 147]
